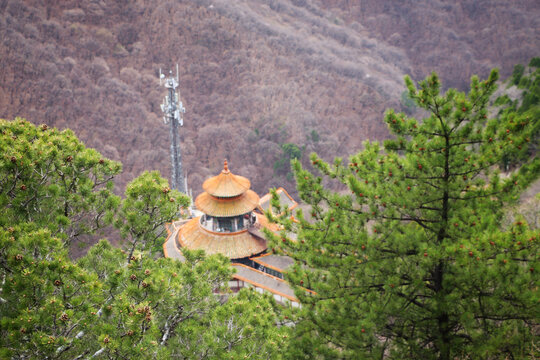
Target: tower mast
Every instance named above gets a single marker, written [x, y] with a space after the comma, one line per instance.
[172, 107]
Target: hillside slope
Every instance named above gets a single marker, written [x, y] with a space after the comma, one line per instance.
[253, 74]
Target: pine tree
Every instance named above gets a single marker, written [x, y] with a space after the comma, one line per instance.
[113, 303]
[50, 178]
[149, 203]
[525, 107]
[105, 307]
[46, 301]
[408, 259]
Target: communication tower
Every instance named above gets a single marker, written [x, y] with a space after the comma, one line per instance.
[172, 109]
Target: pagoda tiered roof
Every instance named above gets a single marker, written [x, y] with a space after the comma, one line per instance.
[226, 184]
[284, 199]
[227, 195]
[227, 207]
[235, 245]
[231, 228]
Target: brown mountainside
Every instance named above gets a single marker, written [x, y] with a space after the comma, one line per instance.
[455, 38]
[253, 74]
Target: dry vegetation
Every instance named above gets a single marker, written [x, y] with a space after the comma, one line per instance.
[254, 74]
[455, 38]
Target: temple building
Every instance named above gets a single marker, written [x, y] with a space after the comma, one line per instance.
[231, 220]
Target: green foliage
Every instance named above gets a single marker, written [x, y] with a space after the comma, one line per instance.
[407, 102]
[149, 204]
[112, 303]
[147, 299]
[517, 74]
[50, 178]
[503, 100]
[104, 306]
[531, 96]
[314, 136]
[524, 110]
[289, 152]
[410, 261]
[243, 328]
[535, 62]
[46, 300]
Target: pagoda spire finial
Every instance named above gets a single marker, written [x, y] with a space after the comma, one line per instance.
[225, 166]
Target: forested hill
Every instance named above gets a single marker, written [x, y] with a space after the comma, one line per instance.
[253, 74]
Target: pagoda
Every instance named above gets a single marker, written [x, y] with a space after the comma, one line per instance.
[228, 205]
[231, 222]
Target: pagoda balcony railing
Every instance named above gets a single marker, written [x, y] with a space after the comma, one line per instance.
[233, 226]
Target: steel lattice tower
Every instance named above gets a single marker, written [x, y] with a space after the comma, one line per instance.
[172, 107]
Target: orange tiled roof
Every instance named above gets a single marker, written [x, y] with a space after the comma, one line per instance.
[264, 281]
[239, 205]
[284, 199]
[226, 184]
[277, 262]
[234, 246]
